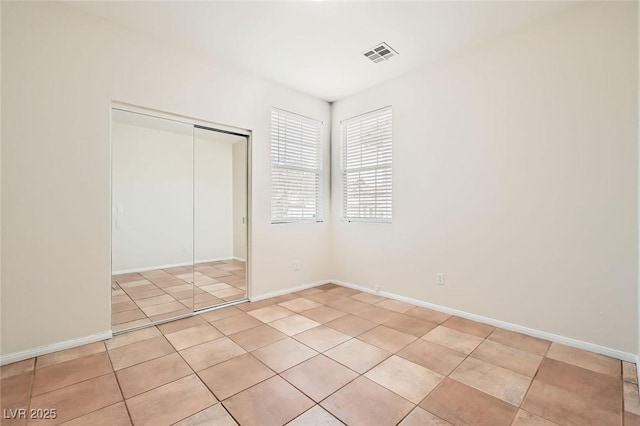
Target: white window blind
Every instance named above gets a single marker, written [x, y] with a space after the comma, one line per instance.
[296, 167]
[366, 166]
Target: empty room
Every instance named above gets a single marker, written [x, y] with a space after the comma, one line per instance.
[319, 213]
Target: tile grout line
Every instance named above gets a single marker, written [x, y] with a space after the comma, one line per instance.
[533, 378]
[193, 372]
[172, 381]
[124, 401]
[467, 356]
[81, 381]
[623, 402]
[203, 383]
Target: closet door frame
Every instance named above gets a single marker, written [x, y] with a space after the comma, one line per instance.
[196, 123]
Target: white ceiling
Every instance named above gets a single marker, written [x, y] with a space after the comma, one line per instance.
[316, 47]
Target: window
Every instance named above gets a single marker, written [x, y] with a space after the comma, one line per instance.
[296, 167]
[366, 167]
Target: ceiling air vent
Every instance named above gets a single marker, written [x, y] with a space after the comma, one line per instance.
[380, 53]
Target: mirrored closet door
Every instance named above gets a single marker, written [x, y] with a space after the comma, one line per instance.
[220, 216]
[179, 219]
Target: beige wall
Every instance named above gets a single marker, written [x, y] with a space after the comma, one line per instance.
[61, 69]
[515, 174]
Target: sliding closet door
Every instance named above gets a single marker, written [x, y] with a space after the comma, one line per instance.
[220, 215]
[153, 219]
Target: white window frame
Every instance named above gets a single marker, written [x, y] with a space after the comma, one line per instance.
[350, 126]
[309, 131]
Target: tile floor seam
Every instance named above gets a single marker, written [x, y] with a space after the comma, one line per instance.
[527, 393]
[141, 362]
[448, 376]
[160, 385]
[124, 401]
[323, 399]
[622, 389]
[197, 375]
[235, 419]
[409, 413]
[395, 393]
[33, 380]
[519, 407]
[624, 406]
[72, 384]
[344, 422]
[154, 387]
[366, 371]
[435, 415]
[291, 337]
[411, 402]
[168, 383]
[242, 390]
[218, 403]
[425, 397]
[192, 414]
[76, 383]
[326, 350]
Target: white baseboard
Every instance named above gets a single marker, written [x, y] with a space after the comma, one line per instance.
[239, 259]
[54, 347]
[173, 265]
[217, 259]
[288, 290]
[625, 356]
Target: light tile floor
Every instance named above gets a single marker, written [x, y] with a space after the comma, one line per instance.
[141, 298]
[325, 356]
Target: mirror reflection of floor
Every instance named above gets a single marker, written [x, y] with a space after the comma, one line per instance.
[143, 297]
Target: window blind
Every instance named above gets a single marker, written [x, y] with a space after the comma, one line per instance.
[366, 166]
[296, 167]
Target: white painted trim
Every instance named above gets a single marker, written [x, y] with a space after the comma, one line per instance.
[239, 259]
[54, 347]
[173, 265]
[625, 356]
[288, 290]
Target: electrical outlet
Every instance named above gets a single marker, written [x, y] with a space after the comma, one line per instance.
[440, 278]
[377, 288]
[296, 265]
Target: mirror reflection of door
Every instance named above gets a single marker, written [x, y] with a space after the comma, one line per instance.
[179, 213]
[220, 217]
